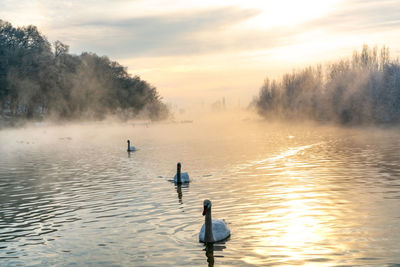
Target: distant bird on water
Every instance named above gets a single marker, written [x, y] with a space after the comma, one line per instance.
[180, 177]
[130, 148]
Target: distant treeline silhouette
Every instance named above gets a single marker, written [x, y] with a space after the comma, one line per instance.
[39, 80]
[364, 89]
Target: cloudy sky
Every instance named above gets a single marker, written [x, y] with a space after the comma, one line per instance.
[199, 51]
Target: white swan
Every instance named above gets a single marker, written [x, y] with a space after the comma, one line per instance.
[179, 177]
[212, 230]
[130, 148]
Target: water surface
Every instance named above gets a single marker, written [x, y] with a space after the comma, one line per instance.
[291, 195]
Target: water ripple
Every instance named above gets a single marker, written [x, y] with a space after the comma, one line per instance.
[315, 197]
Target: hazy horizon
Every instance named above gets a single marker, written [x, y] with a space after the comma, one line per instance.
[198, 52]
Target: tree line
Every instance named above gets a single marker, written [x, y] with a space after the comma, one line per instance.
[39, 80]
[363, 89]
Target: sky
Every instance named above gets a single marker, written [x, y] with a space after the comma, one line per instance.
[198, 52]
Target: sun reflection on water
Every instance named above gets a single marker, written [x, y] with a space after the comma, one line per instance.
[327, 197]
[295, 226]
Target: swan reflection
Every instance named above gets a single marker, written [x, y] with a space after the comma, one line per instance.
[209, 248]
[179, 191]
[210, 254]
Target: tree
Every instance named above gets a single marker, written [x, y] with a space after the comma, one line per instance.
[37, 80]
[363, 89]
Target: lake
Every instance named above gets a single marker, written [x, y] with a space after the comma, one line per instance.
[70, 195]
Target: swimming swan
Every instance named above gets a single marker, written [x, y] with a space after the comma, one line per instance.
[179, 177]
[130, 148]
[212, 230]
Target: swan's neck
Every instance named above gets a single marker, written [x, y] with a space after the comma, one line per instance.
[129, 145]
[178, 175]
[208, 238]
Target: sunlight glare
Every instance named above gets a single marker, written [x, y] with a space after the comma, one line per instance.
[288, 12]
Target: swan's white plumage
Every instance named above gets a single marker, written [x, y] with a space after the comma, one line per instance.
[184, 178]
[219, 228]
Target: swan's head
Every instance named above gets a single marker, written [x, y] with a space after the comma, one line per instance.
[178, 166]
[207, 206]
[128, 141]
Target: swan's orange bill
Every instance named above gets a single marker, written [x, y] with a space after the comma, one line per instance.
[204, 211]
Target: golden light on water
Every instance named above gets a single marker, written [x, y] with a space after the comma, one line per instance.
[296, 223]
[297, 196]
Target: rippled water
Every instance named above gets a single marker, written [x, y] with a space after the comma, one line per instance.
[291, 195]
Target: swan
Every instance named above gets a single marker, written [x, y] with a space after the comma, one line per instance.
[181, 177]
[130, 148]
[212, 230]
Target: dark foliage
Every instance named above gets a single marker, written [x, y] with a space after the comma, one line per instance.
[39, 80]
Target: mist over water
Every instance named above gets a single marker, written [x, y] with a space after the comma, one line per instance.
[291, 194]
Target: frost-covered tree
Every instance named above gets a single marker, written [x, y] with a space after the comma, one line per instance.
[38, 80]
[361, 90]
